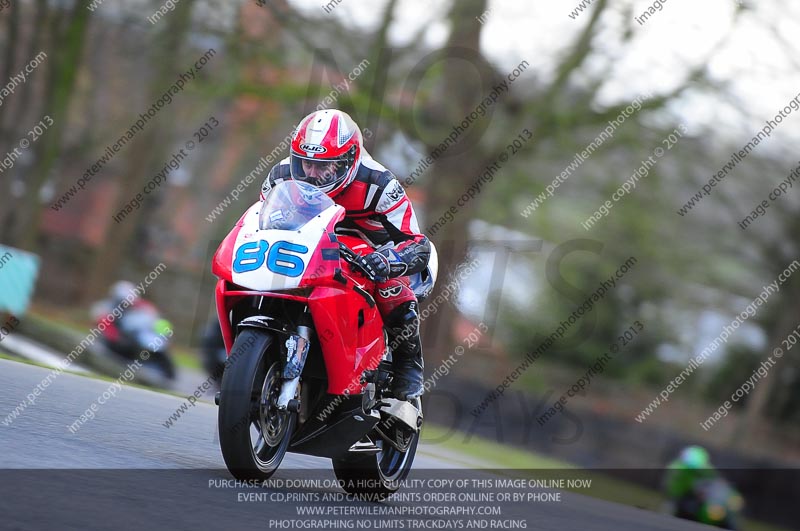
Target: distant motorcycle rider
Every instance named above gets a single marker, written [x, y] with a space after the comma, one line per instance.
[683, 474]
[119, 292]
[328, 152]
[134, 318]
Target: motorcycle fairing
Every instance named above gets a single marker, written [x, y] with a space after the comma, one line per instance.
[347, 355]
[345, 316]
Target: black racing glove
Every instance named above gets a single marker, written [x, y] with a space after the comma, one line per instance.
[375, 266]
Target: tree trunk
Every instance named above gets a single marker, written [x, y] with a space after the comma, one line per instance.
[67, 61]
[747, 431]
[6, 201]
[451, 175]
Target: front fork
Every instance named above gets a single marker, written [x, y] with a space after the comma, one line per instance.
[296, 351]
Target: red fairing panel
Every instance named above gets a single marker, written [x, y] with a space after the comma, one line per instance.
[323, 263]
[347, 349]
[224, 305]
[221, 267]
[223, 258]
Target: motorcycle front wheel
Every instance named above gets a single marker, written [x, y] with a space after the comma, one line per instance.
[253, 434]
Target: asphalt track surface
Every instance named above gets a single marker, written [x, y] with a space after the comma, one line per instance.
[125, 470]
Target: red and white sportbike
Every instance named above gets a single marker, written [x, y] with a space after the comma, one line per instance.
[308, 361]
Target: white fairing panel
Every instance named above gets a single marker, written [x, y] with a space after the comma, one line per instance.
[272, 260]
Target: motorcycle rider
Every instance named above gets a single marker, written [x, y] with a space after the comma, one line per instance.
[690, 467]
[115, 329]
[328, 152]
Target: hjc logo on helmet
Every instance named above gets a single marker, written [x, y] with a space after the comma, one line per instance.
[313, 148]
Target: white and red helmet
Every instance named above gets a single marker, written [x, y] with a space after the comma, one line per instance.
[326, 150]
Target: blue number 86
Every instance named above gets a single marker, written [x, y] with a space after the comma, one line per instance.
[252, 255]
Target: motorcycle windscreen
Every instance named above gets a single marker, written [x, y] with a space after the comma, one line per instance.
[291, 204]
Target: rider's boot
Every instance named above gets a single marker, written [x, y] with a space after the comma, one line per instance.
[403, 328]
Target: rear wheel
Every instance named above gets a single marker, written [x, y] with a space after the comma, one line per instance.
[253, 433]
[378, 475]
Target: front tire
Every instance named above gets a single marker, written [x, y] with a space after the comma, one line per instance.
[253, 434]
[377, 476]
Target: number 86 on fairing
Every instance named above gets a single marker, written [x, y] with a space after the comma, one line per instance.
[279, 257]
